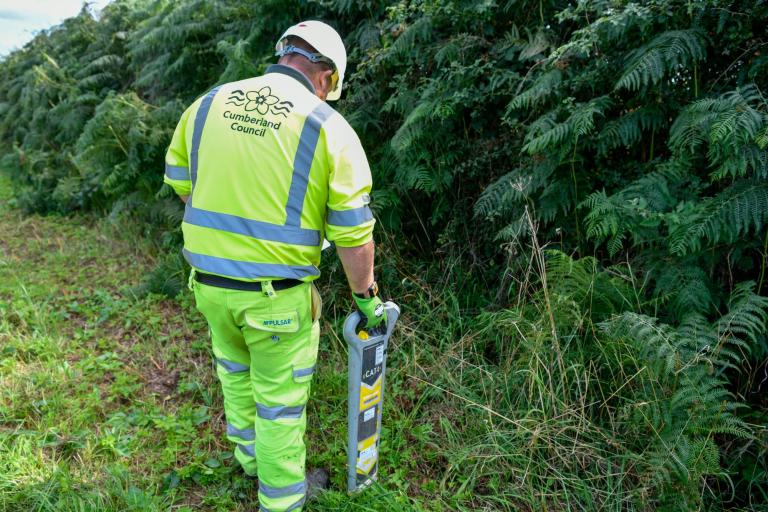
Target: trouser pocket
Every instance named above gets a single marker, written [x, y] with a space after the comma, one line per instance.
[283, 340]
[284, 321]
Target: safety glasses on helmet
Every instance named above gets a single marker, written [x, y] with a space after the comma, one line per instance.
[284, 48]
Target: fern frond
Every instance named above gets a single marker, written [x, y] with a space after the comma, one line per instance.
[686, 286]
[632, 211]
[582, 119]
[746, 320]
[663, 55]
[538, 92]
[511, 187]
[556, 134]
[737, 210]
[628, 129]
[732, 125]
[412, 128]
[419, 31]
[597, 292]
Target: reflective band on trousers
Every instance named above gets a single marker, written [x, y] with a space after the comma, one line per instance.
[177, 172]
[246, 434]
[247, 269]
[302, 162]
[279, 411]
[294, 506]
[303, 372]
[282, 492]
[353, 217]
[231, 366]
[252, 228]
[247, 449]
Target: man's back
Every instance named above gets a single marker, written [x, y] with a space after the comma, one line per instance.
[267, 158]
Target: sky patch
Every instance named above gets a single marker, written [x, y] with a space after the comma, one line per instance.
[20, 21]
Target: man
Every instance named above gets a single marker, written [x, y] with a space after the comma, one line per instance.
[267, 170]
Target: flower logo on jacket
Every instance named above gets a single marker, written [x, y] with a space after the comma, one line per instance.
[263, 101]
[260, 100]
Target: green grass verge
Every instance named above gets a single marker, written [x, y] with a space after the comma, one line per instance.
[109, 402]
[108, 399]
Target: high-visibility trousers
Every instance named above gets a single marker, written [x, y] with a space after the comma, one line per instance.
[265, 344]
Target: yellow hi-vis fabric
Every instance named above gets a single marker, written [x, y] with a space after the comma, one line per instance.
[271, 170]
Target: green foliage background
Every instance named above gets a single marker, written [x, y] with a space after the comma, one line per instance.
[593, 173]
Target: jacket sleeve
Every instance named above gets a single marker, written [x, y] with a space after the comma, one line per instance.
[349, 221]
[177, 159]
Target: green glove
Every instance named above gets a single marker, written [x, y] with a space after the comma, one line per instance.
[372, 311]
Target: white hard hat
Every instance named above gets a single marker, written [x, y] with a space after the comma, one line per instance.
[328, 44]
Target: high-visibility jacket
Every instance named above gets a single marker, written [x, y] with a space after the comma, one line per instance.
[270, 170]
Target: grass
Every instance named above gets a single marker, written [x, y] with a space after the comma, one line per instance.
[109, 402]
[108, 399]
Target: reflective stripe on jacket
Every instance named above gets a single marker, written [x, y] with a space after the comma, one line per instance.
[271, 170]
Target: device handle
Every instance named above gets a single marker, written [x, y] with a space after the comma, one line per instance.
[353, 320]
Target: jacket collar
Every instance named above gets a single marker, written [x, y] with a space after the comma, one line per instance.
[293, 73]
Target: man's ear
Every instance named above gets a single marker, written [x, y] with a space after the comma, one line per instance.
[327, 80]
